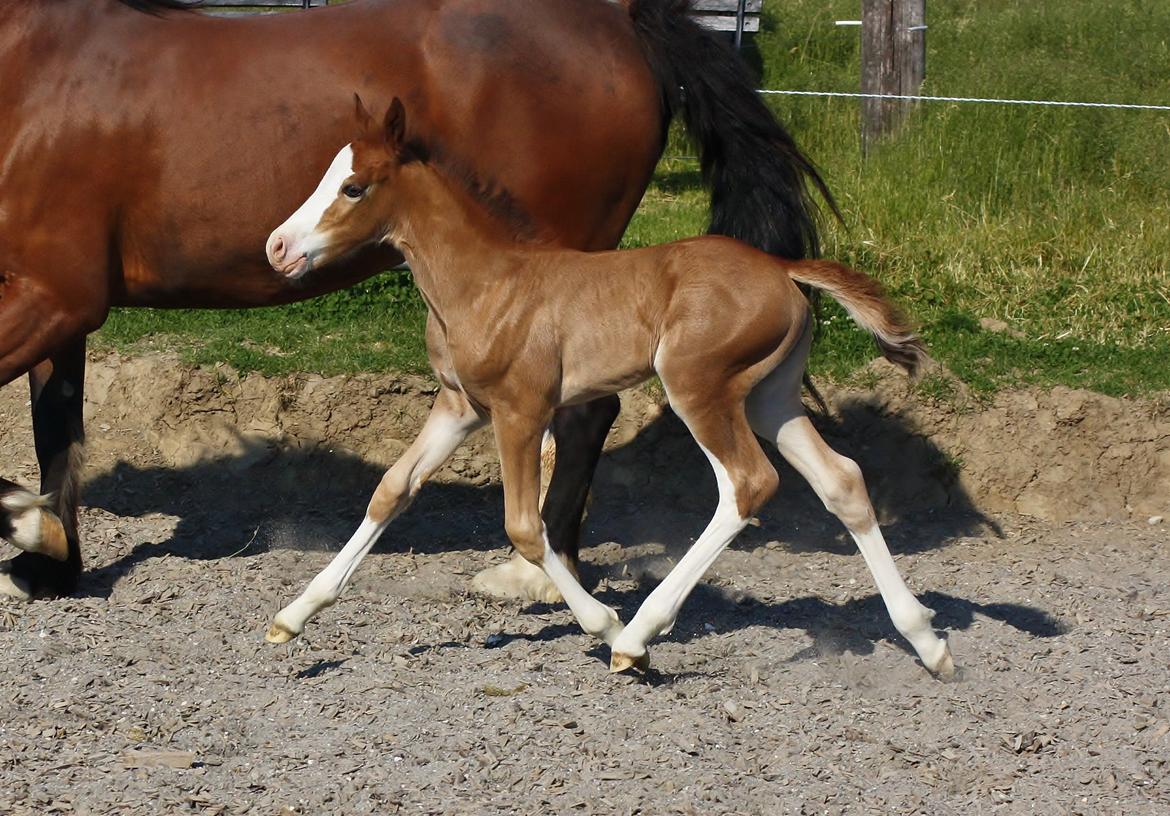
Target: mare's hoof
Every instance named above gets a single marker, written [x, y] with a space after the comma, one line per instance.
[33, 526]
[279, 634]
[620, 662]
[53, 541]
[519, 579]
[35, 575]
[14, 587]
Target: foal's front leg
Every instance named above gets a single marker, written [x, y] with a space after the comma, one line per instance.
[452, 418]
[519, 442]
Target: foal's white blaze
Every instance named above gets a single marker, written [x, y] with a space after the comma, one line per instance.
[299, 233]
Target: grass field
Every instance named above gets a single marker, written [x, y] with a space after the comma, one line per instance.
[1053, 220]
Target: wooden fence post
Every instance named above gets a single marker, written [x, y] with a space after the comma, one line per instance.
[893, 62]
[910, 47]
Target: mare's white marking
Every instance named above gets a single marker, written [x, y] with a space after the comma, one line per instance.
[595, 618]
[299, 231]
[24, 513]
[517, 578]
[660, 610]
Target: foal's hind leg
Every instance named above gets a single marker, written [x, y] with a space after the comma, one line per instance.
[746, 480]
[776, 413]
[452, 418]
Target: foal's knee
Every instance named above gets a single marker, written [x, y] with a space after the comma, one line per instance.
[527, 535]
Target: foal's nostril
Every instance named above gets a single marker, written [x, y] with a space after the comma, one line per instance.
[278, 249]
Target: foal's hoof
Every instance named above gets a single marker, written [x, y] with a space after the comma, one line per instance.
[944, 666]
[619, 662]
[279, 634]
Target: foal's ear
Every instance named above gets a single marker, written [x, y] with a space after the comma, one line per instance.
[364, 119]
[395, 125]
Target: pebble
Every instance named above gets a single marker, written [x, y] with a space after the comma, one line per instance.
[733, 710]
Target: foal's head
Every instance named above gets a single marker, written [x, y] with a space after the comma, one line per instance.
[354, 205]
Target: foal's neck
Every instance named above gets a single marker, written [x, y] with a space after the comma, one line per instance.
[454, 246]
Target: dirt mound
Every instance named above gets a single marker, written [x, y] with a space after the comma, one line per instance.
[1059, 454]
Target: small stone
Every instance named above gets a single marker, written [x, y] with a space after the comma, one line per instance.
[143, 758]
[1153, 520]
[733, 710]
[997, 326]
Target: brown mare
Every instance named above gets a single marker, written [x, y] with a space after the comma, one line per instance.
[146, 151]
[518, 328]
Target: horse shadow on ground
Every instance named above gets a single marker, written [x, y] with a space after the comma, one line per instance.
[656, 489]
[854, 627]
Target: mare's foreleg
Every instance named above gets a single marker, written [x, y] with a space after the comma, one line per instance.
[519, 443]
[451, 419]
[45, 526]
[746, 480]
[776, 413]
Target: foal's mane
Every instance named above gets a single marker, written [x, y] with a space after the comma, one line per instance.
[159, 6]
[495, 198]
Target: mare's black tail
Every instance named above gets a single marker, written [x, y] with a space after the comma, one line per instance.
[758, 178]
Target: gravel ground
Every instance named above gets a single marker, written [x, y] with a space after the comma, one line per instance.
[783, 688]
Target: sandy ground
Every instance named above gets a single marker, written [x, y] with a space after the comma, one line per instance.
[783, 688]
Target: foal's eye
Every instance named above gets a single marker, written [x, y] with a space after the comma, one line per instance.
[353, 191]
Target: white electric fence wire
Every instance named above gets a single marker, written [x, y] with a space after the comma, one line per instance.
[976, 99]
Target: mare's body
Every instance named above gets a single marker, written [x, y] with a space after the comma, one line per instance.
[144, 157]
[518, 330]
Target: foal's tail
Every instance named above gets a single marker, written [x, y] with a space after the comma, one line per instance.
[759, 180]
[867, 304]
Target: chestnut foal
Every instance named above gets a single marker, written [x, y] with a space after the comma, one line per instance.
[518, 328]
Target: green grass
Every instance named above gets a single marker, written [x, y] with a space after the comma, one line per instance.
[375, 326]
[1054, 220]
